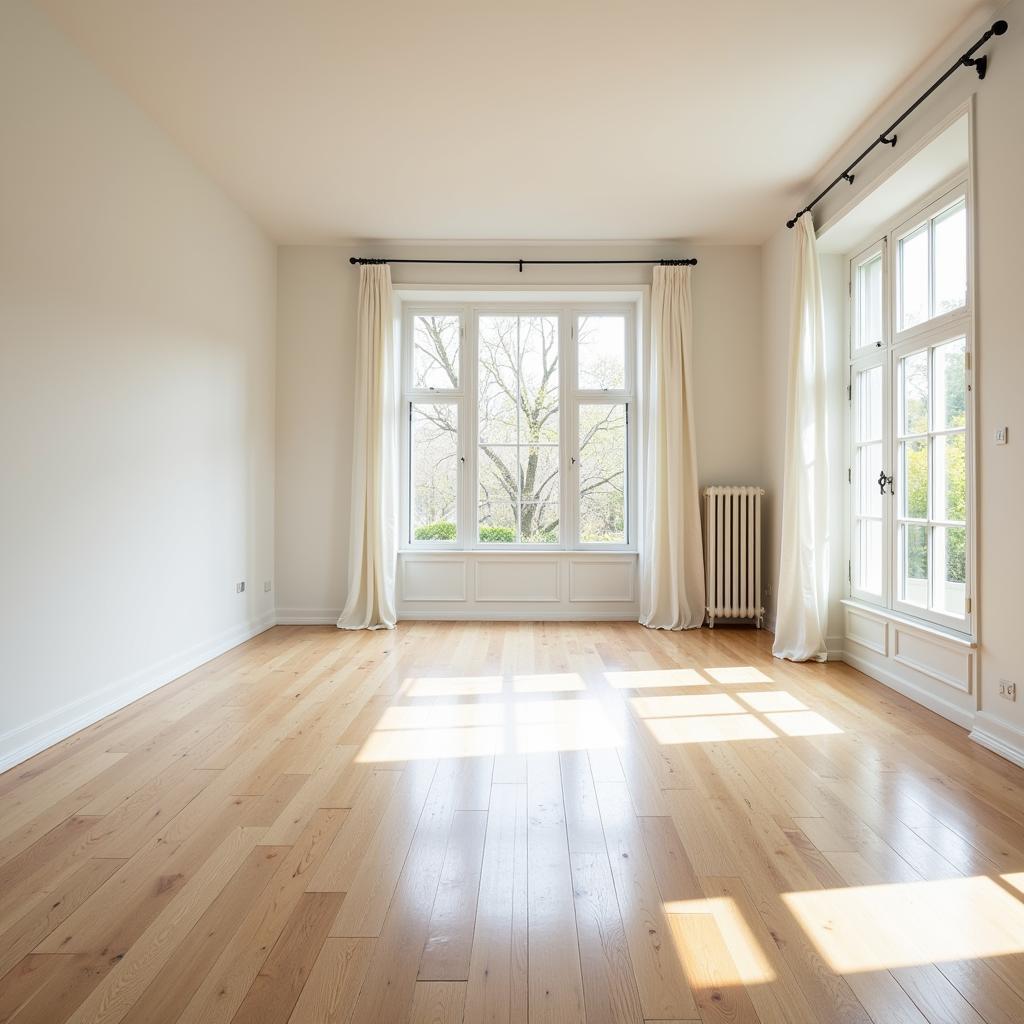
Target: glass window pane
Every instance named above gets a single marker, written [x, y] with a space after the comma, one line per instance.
[950, 500]
[867, 555]
[601, 352]
[868, 303]
[868, 405]
[498, 379]
[538, 379]
[602, 473]
[949, 233]
[950, 551]
[436, 340]
[540, 522]
[914, 460]
[913, 273]
[498, 495]
[434, 471]
[914, 561]
[538, 472]
[914, 396]
[950, 385]
[866, 470]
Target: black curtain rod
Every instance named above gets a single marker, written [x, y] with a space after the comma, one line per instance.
[363, 260]
[967, 60]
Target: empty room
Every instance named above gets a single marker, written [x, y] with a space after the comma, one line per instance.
[511, 513]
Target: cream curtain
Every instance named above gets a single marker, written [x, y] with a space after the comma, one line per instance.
[672, 557]
[373, 542]
[802, 613]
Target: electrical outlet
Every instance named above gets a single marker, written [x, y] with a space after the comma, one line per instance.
[266, 586]
[1001, 435]
[240, 587]
[1007, 690]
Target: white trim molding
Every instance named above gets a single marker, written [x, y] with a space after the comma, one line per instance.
[919, 660]
[308, 616]
[23, 742]
[519, 585]
[998, 736]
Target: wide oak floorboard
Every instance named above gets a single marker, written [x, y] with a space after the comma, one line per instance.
[515, 823]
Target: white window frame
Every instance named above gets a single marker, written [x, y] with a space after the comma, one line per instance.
[571, 398]
[896, 344]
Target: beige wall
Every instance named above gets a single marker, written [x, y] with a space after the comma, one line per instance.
[136, 400]
[999, 227]
[316, 326]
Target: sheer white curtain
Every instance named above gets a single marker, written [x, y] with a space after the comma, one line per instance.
[802, 613]
[672, 555]
[373, 542]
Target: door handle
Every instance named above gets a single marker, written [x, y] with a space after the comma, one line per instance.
[882, 481]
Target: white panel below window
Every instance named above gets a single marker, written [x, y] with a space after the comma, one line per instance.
[433, 579]
[867, 631]
[517, 579]
[601, 580]
[934, 659]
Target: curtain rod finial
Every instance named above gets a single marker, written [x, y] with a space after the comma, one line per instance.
[999, 28]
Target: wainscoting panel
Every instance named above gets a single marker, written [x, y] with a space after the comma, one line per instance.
[601, 579]
[513, 585]
[867, 631]
[437, 578]
[948, 664]
[517, 579]
[931, 667]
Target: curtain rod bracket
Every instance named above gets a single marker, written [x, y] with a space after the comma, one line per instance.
[888, 137]
[980, 64]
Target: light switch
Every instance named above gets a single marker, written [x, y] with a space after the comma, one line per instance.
[1000, 435]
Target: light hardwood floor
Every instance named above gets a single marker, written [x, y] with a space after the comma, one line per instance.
[552, 822]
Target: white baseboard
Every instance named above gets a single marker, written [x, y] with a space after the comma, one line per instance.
[308, 616]
[328, 617]
[24, 741]
[932, 701]
[834, 646]
[1000, 737]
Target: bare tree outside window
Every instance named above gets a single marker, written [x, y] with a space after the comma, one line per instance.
[518, 407]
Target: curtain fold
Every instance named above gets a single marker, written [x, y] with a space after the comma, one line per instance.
[802, 611]
[672, 555]
[373, 541]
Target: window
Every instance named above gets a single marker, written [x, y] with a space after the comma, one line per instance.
[518, 427]
[910, 417]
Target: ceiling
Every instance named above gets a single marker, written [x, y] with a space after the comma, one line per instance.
[511, 119]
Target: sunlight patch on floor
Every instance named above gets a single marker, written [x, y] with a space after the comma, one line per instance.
[686, 704]
[666, 678]
[738, 674]
[752, 968]
[554, 682]
[772, 700]
[479, 730]
[802, 723]
[879, 927]
[453, 686]
[708, 729]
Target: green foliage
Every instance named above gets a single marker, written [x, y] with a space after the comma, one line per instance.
[497, 535]
[951, 372]
[436, 531]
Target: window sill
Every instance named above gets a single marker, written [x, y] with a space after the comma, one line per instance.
[523, 552]
[931, 629]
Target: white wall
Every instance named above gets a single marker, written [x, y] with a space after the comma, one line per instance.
[136, 400]
[999, 227]
[316, 327]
